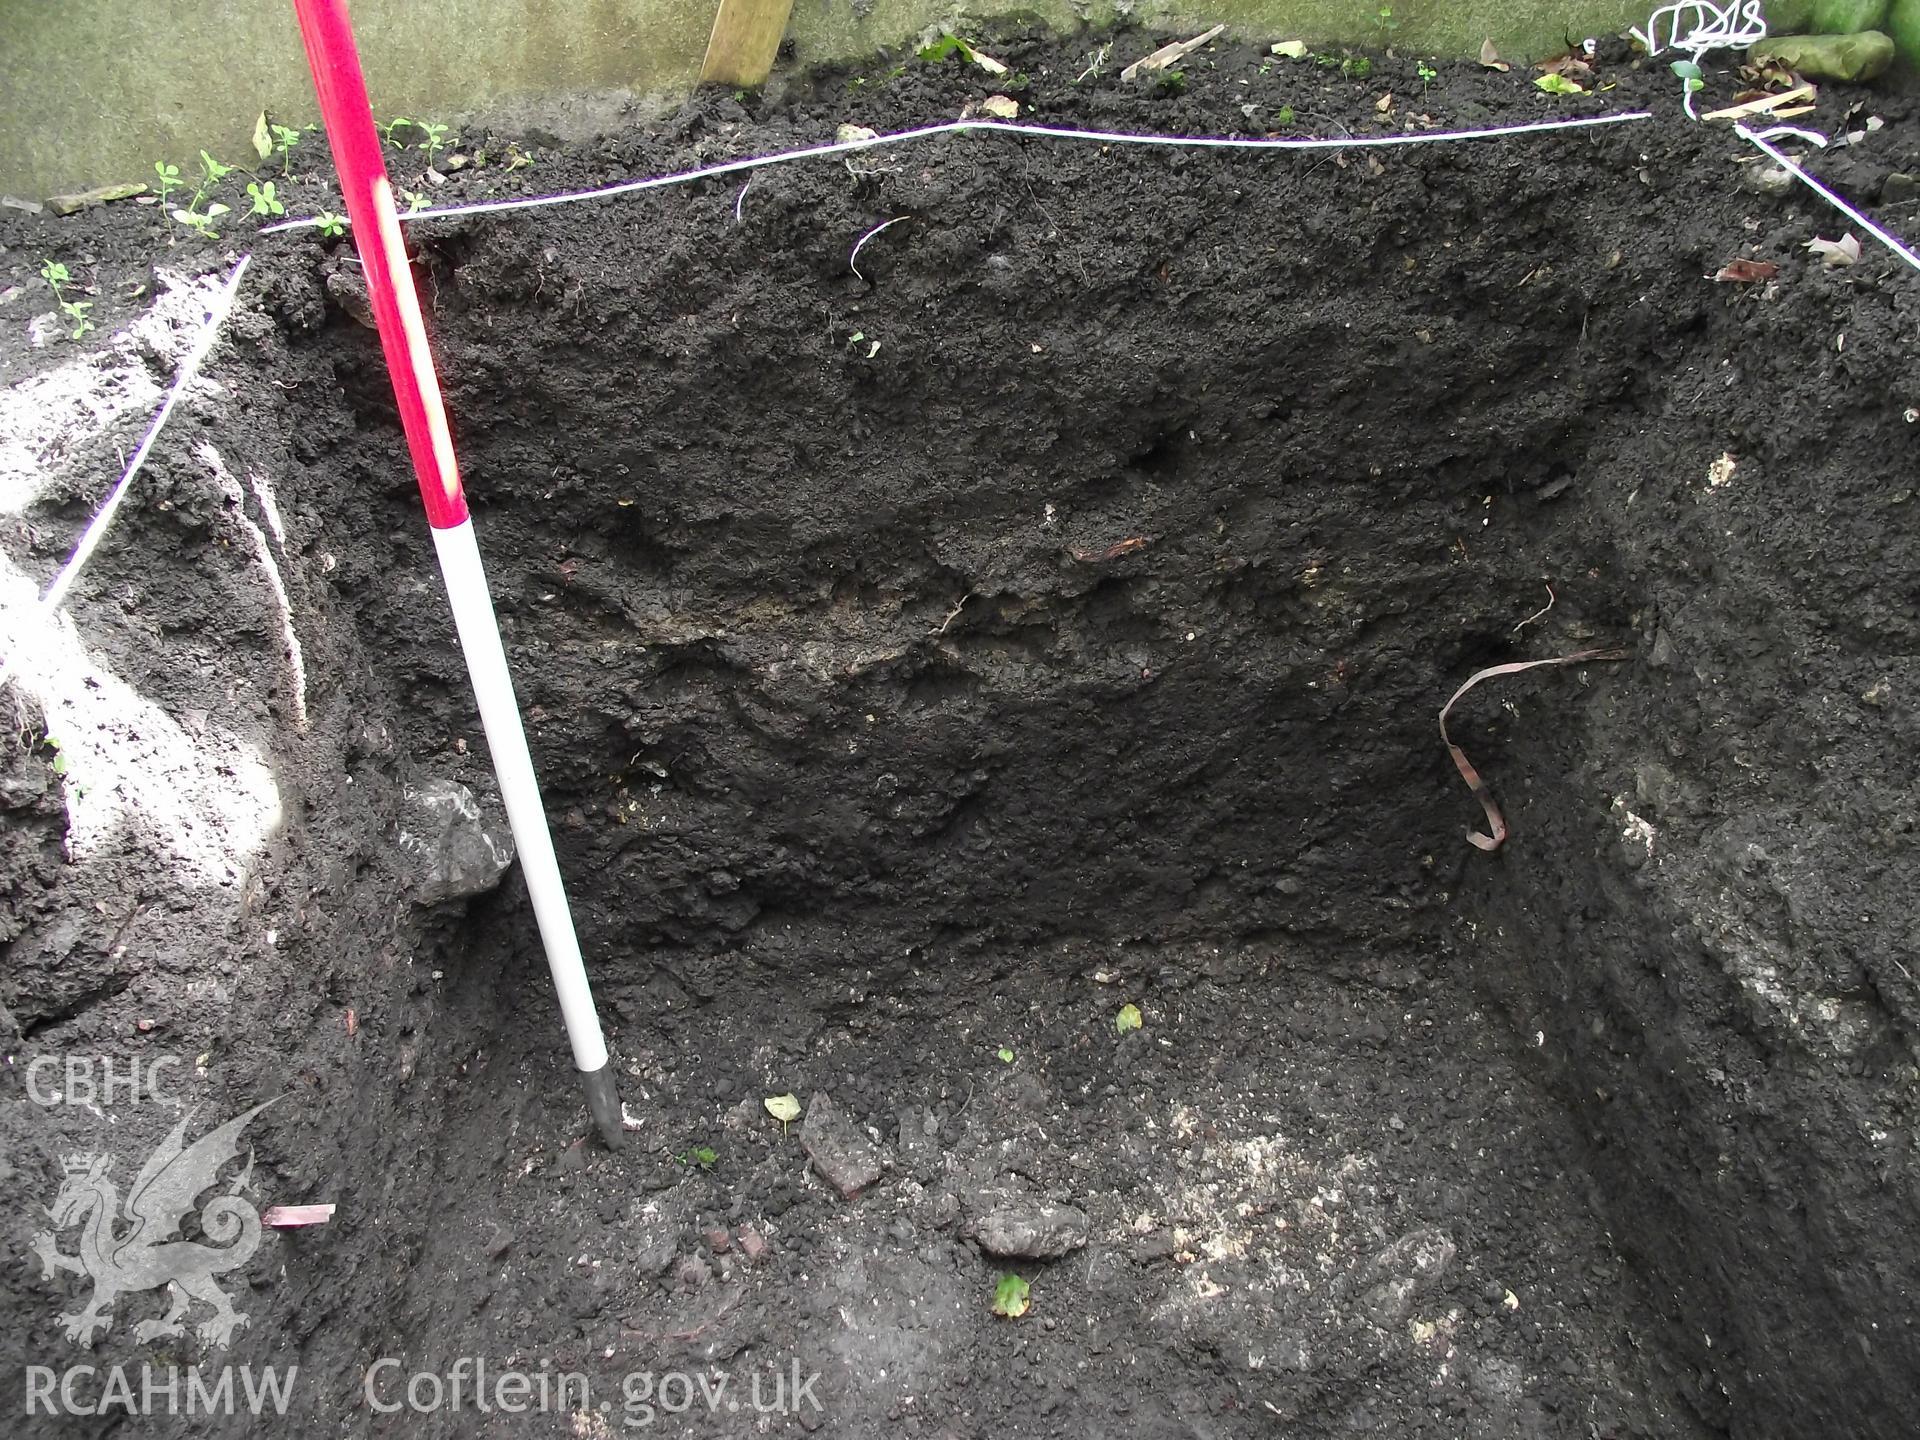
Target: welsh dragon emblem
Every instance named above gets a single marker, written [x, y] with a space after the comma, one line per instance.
[150, 1253]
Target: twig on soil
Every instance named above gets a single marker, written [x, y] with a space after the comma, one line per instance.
[884, 225]
[696, 1331]
[1538, 613]
[740, 200]
[1464, 766]
[954, 614]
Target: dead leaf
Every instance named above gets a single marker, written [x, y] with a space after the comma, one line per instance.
[1167, 54]
[1746, 272]
[1384, 105]
[1289, 49]
[1574, 67]
[1001, 107]
[1837, 253]
[1490, 57]
[1495, 820]
[1112, 552]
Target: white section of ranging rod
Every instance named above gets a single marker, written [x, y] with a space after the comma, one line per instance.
[479, 633]
[1886, 238]
[999, 127]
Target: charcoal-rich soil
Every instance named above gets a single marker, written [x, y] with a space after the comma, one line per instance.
[927, 660]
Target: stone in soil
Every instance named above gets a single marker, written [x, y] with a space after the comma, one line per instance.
[845, 1158]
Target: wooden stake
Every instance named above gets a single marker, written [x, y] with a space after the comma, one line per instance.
[746, 38]
[1799, 97]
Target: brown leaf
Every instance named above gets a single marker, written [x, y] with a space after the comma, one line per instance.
[1112, 552]
[1490, 57]
[1746, 272]
[353, 1022]
[1384, 104]
[1573, 66]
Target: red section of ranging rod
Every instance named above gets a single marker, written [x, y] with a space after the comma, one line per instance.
[335, 62]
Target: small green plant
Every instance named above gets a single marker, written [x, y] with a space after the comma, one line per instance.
[58, 279]
[415, 201]
[946, 47]
[1385, 16]
[433, 144]
[1691, 82]
[59, 762]
[1171, 82]
[1356, 67]
[265, 202]
[169, 181]
[702, 1155]
[1326, 61]
[285, 137]
[1010, 1297]
[200, 212]
[1128, 1019]
[1427, 76]
[212, 172]
[1285, 117]
[1005, 1055]
[1558, 85]
[331, 225]
[386, 131]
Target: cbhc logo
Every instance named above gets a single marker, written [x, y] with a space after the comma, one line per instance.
[98, 1080]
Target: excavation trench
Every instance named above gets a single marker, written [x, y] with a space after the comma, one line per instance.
[924, 664]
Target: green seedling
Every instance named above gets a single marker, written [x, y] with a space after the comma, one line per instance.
[59, 762]
[946, 47]
[58, 278]
[1356, 67]
[1128, 1020]
[1385, 16]
[202, 220]
[169, 180]
[415, 201]
[265, 202]
[1010, 1297]
[1558, 85]
[702, 1155]
[1006, 1055]
[212, 172]
[386, 131]
[1171, 82]
[1285, 117]
[331, 225]
[285, 137]
[433, 144]
[1427, 76]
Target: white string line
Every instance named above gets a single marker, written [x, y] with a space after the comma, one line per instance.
[1886, 238]
[1713, 27]
[217, 311]
[953, 127]
[854, 258]
[1739, 23]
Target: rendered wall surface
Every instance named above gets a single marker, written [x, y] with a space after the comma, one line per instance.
[94, 91]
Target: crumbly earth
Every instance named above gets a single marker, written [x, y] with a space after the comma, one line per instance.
[927, 660]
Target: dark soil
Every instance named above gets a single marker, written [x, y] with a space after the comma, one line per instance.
[926, 663]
